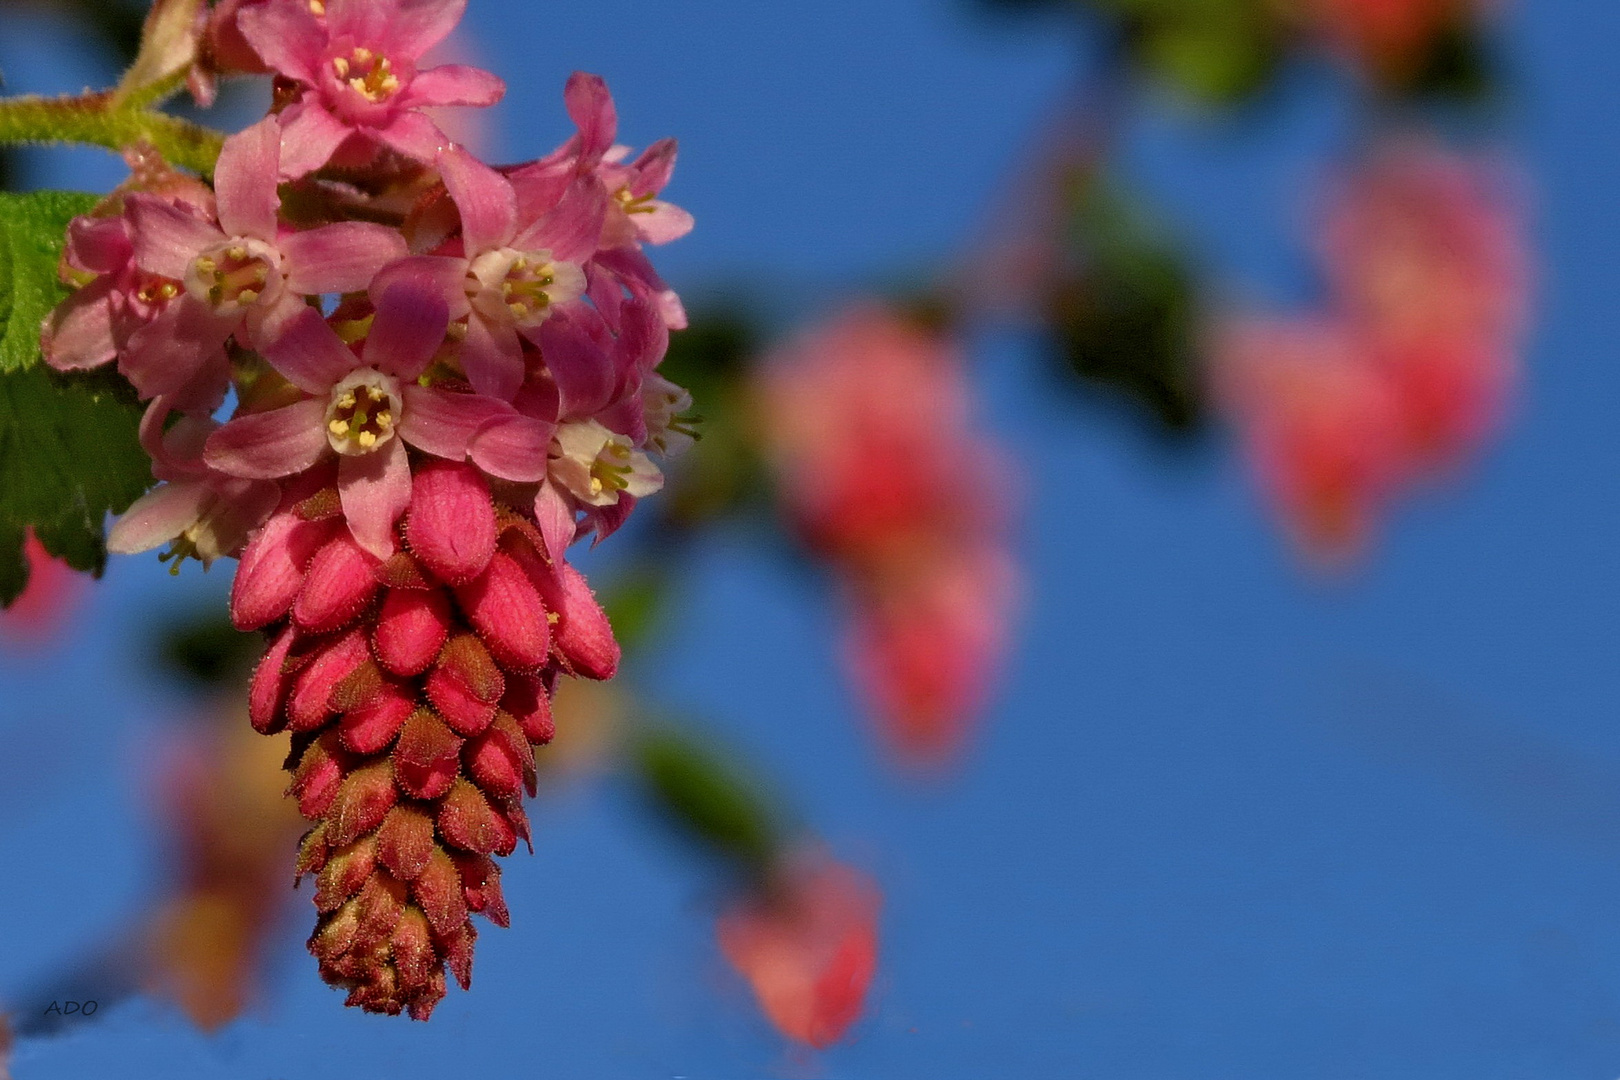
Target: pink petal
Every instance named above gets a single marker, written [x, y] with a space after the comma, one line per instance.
[340, 258]
[485, 199]
[286, 37]
[159, 516]
[245, 181]
[454, 84]
[584, 373]
[451, 527]
[513, 448]
[415, 26]
[167, 238]
[79, 333]
[667, 222]
[540, 187]
[654, 168]
[555, 516]
[446, 275]
[591, 108]
[414, 135]
[165, 355]
[443, 423]
[309, 137]
[309, 353]
[409, 329]
[571, 232]
[269, 445]
[99, 245]
[492, 357]
[375, 489]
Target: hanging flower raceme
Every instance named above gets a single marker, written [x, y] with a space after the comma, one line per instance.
[868, 421]
[1412, 371]
[421, 429]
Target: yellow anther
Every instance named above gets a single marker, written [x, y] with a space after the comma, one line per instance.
[339, 428]
[362, 55]
[346, 401]
[207, 265]
[317, 8]
[367, 439]
[341, 66]
[238, 253]
[385, 420]
[246, 296]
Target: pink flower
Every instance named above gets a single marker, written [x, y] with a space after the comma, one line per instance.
[200, 512]
[808, 947]
[511, 276]
[1421, 242]
[868, 423]
[1321, 425]
[354, 64]
[246, 273]
[363, 409]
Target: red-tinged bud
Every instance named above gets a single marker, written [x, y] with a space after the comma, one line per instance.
[465, 685]
[500, 760]
[316, 779]
[272, 570]
[468, 821]
[437, 890]
[427, 999]
[505, 608]
[427, 757]
[372, 727]
[405, 842]
[481, 887]
[411, 630]
[414, 956]
[338, 585]
[362, 686]
[583, 635]
[312, 852]
[344, 874]
[311, 701]
[382, 905]
[451, 523]
[267, 693]
[325, 505]
[361, 804]
[401, 571]
[529, 704]
[335, 935]
[458, 953]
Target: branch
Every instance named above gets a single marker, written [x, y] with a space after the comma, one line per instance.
[93, 120]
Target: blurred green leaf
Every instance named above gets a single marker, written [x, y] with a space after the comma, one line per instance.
[709, 796]
[32, 229]
[204, 649]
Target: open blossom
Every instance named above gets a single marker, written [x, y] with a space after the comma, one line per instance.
[354, 64]
[807, 943]
[245, 274]
[868, 421]
[417, 439]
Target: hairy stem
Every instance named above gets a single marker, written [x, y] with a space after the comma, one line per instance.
[92, 119]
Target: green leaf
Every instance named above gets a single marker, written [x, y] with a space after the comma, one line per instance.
[32, 228]
[69, 452]
[710, 797]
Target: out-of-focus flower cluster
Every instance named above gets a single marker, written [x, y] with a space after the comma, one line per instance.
[443, 374]
[1408, 371]
[867, 422]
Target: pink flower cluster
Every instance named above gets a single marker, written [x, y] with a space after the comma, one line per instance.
[1410, 370]
[867, 418]
[443, 375]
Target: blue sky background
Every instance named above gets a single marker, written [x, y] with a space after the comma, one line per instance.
[1223, 822]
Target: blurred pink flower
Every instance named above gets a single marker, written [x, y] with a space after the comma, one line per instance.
[867, 421]
[53, 590]
[808, 946]
[1320, 425]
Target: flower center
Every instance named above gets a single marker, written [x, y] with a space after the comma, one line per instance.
[235, 274]
[610, 471]
[527, 283]
[631, 203]
[363, 413]
[367, 74]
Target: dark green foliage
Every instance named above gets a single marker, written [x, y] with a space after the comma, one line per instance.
[69, 452]
[708, 797]
[1125, 311]
[205, 650]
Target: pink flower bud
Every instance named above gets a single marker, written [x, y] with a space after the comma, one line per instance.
[438, 890]
[465, 685]
[411, 630]
[505, 608]
[337, 585]
[584, 636]
[451, 524]
[312, 694]
[267, 693]
[427, 757]
[272, 570]
[372, 727]
[468, 821]
[528, 702]
[361, 804]
[345, 872]
[405, 842]
[481, 887]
